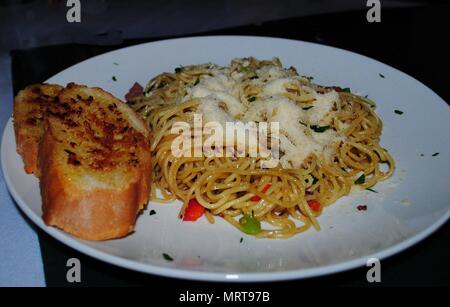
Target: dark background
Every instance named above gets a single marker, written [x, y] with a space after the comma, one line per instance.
[34, 23]
[412, 36]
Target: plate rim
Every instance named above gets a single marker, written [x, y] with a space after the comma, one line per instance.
[404, 74]
[176, 272]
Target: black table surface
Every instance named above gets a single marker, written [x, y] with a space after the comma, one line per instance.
[412, 40]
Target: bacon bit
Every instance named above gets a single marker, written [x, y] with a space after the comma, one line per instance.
[135, 90]
[336, 88]
[361, 207]
[314, 205]
[264, 190]
[193, 211]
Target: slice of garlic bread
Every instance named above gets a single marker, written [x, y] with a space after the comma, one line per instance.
[29, 109]
[95, 164]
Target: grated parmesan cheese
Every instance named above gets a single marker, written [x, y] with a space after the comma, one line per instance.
[221, 101]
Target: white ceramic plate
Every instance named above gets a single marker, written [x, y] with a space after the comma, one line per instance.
[408, 207]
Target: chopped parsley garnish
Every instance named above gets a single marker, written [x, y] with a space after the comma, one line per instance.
[114, 78]
[251, 99]
[435, 154]
[307, 108]
[167, 257]
[382, 76]
[315, 180]
[371, 190]
[242, 239]
[347, 90]
[303, 124]
[422, 155]
[196, 82]
[398, 112]
[115, 63]
[361, 179]
[178, 69]
[320, 129]
[152, 212]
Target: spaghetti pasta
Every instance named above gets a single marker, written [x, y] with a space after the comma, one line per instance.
[338, 133]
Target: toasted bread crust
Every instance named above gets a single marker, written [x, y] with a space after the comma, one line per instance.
[95, 164]
[100, 131]
[90, 214]
[29, 110]
[92, 153]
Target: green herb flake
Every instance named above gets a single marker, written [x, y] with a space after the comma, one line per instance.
[307, 108]
[361, 179]
[347, 90]
[115, 63]
[152, 212]
[114, 78]
[251, 99]
[178, 69]
[196, 82]
[371, 190]
[315, 180]
[320, 129]
[435, 154]
[398, 112]
[382, 76]
[422, 155]
[303, 124]
[167, 257]
[242, 239]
